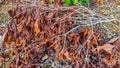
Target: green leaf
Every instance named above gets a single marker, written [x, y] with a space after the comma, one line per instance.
[84, 2]
[68, 2]
[75, 2]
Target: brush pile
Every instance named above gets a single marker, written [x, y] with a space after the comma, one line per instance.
[38, 33]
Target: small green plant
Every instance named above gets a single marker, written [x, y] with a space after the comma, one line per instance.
[68, 2]
[84, 2]
[74, 2]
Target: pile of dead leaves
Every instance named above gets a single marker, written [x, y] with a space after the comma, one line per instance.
[34, 32]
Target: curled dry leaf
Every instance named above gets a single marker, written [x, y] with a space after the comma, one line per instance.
[106, 47]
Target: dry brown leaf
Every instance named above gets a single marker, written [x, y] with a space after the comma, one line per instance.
[50, 15]
[99, 2]
[107, 47]
[67, 55]
[42, 2]
[36, 27]
[109, 60]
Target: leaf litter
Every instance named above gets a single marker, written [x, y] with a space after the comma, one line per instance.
[36, 34]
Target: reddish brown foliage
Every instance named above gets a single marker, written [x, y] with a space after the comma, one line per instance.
[34, 32]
